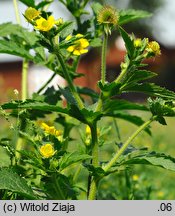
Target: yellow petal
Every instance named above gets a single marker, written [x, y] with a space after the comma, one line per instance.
[68, 37]
[76, 52]
[70, 49]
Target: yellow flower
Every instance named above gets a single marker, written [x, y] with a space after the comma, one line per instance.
[59, 21]
[45, 25]
[51, 130]
[135, 177]
[47, 150]
[138, 42]
[79, 46]
[153, 48]
[31, 13]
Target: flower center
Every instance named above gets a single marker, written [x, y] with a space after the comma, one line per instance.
[44, 23]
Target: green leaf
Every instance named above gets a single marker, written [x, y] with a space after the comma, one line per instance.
[71, 158]
[59, 187]
[10, 29]
[12, 48]
[96, 42]
[9, 180]
[126, 16]
[31, 104]
[85, 116]
[154, 159]
[68, 95]
[151, 89]
[160, 108]
[136, 76]
[29, 3]
[96, 7]
[116, 105]
[66, 29]
[128, 41]
[130, 118]
[87, 91]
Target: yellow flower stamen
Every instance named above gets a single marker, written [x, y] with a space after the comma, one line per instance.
[47, 150]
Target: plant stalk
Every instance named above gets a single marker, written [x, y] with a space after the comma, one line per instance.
[44, 86]
[125, 145]
[95, 162]
[16, 11]
[103, 70]
[25, 66]
[103, 59]
[70, 82]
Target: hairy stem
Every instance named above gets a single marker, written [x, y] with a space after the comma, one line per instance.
[95, 162]
[125, 145]
[103, 70]
[103, 59]
[70, 82]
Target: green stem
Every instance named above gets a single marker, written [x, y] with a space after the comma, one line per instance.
[77, 173]
[99, 104]
[103, 59]
[125, 145]
[25, 62]
[58, 190]
[25, 66]
[16, 11]
[70, 82]
[95, 162]
[44, 86]
[117, 128]
[103, 70]
[19, 146]
[121, 75]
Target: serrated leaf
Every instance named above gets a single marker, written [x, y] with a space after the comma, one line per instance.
[31, 104]
[151, 89]
[65, 29]
[71, 158]
[9, 180]
[130, 118]
[29, 3]
[85, 116]
[155, 159]
[130, 15]
[116, 105]
[12, 48]
[68, 95]
[10, 29]
[136, 76]
[128, 42]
